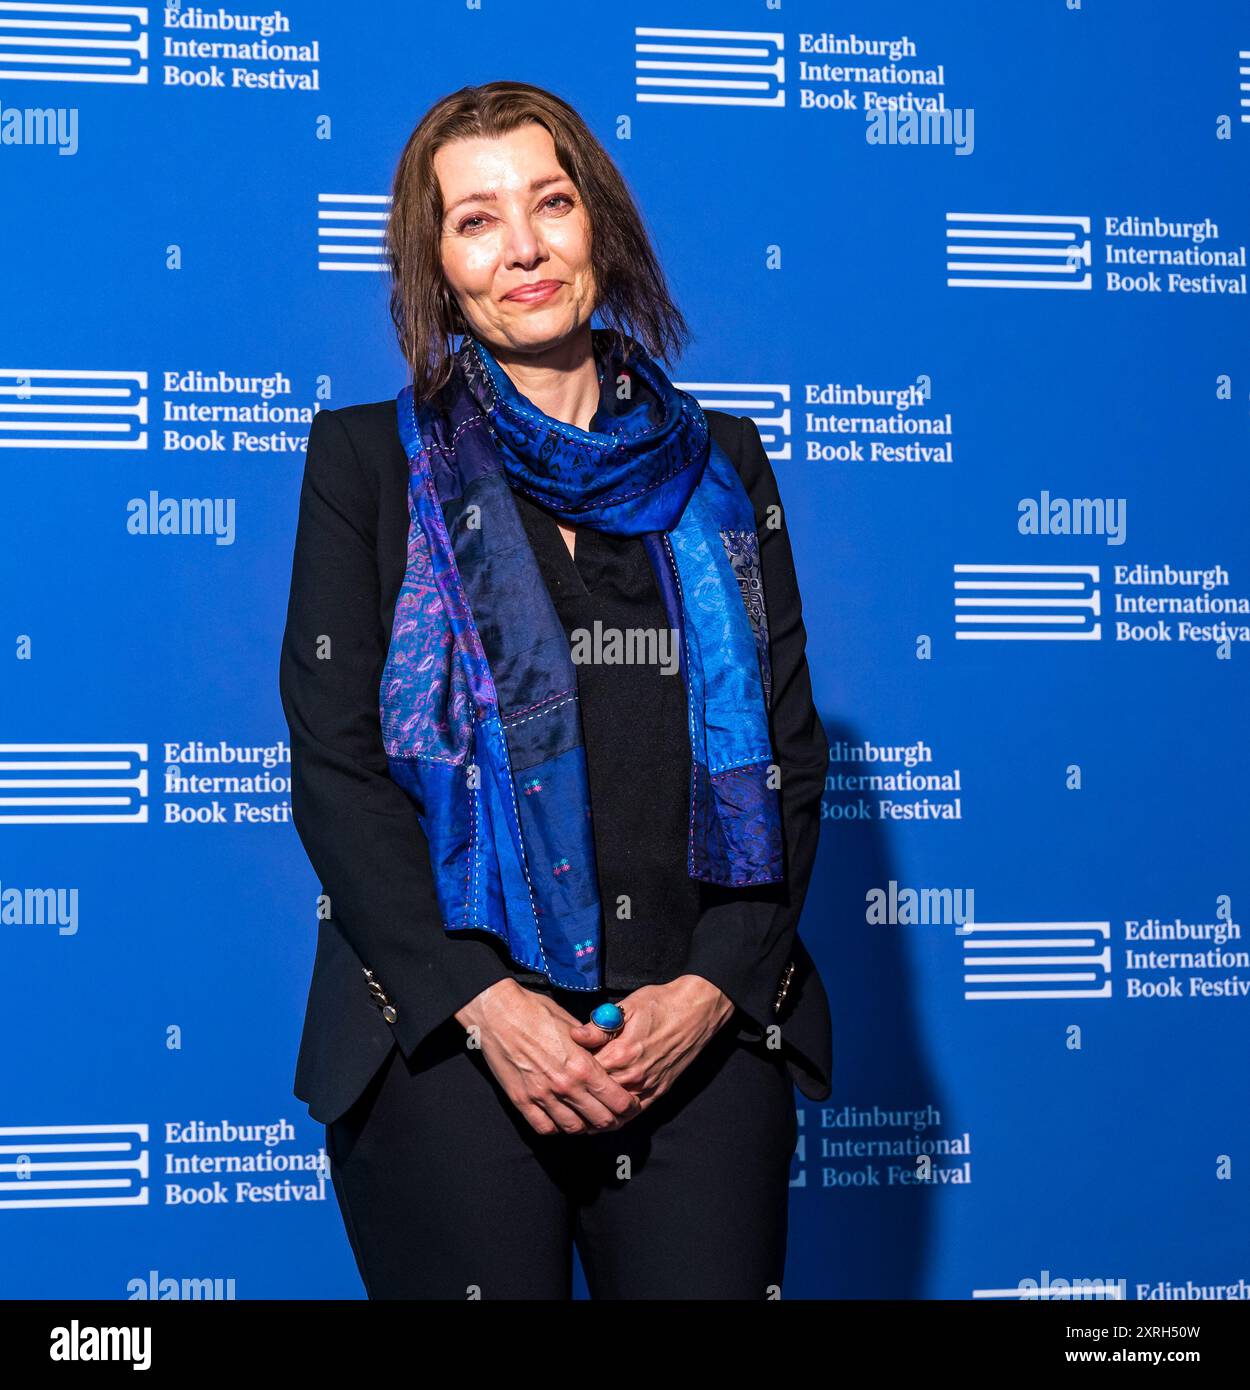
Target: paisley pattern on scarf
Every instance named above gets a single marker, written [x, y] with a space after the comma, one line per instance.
[478, 696]
[743, 549]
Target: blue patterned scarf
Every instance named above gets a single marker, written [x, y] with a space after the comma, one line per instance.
[478, 698]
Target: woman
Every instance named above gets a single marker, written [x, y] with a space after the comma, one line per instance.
[555, 760]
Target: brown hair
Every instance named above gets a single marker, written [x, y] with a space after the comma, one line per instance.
[632, 296]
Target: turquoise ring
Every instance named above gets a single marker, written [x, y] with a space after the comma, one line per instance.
[609, 1017]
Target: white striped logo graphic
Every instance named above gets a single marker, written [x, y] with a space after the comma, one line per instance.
[709, 67]
[768, 404]
[1007, 250]
[73, 1165]
[1243, 83]
[351, 228]
[73, 410]
[1036, 960]
[73, 783]
[73, 43]
[1027, 603]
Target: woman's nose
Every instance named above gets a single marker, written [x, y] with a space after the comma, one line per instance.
[523, 243]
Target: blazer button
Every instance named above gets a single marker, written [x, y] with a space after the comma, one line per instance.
[378, 994]
[784, 987]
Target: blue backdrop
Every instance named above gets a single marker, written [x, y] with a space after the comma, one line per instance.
[998, 354]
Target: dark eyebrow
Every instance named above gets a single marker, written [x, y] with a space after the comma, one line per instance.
[535, 185]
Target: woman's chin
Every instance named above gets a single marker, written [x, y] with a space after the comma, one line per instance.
[534, 330]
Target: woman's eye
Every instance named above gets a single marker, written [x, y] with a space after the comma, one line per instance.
[554, 201]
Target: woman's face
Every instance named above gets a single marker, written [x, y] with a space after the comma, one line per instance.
[513, 218]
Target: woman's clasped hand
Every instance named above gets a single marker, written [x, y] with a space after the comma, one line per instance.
[573, 1078]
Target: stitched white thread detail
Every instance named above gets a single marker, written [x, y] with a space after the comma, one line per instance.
[471, 886]
[541, 712]
[694, 758]
[525, 868]
[759, 761]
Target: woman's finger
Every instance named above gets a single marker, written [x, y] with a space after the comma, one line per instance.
[596, 1115]
[588, 1036]
[567, 1121]
[596, 1096]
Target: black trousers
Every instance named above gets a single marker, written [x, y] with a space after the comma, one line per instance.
[447, 1193]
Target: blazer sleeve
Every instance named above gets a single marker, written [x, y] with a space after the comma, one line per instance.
[744, 938]
[358, 827]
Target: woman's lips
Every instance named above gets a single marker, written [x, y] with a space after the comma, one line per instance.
[534, 294]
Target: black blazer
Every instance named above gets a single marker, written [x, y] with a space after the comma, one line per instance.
[385, 975]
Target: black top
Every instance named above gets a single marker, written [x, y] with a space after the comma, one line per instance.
[634, 727]
[361, 831]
